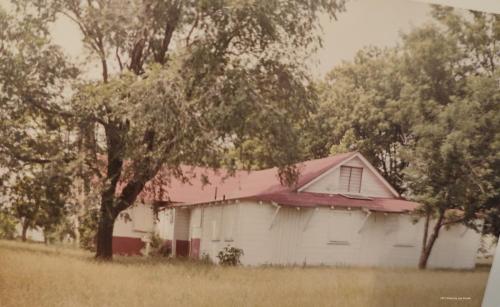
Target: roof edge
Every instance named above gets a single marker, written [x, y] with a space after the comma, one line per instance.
[349, 155]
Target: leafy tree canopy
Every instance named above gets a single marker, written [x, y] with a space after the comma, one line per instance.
[426, 114]
[194, 80]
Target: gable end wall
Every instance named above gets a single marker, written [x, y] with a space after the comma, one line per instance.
[370, 184]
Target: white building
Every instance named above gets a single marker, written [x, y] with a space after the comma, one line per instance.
[341, 212]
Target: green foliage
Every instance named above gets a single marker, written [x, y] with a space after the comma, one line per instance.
[38, 198]
[453, 160]
[158, 246]
[230, 255]
[34, 127]
[7, 225]
[205, 259]
[361, 110]
[33, 76]
[88, 228]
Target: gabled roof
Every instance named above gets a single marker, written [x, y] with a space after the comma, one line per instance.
[243, 183]
[264, 185]
[366, 163]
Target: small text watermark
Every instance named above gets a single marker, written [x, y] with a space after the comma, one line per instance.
[456, 298]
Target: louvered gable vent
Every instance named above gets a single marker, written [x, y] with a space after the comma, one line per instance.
[350, 179]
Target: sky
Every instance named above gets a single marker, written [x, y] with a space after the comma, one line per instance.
[365, 22]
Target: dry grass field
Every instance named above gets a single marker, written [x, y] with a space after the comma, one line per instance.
[37, 275]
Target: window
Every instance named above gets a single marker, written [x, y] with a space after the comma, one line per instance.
[406, 233]
[391, 223]
[350, 179]
[143, 218]
[216, 223]
[228, 222]
[341, 228]
[215, 231]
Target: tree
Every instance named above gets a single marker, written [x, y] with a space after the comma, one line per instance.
[361, 110]
[33, 76]
[34, 125]
[194, 80]
[453, 164]
[88, 229]
[7, 225]
[447, 176]
[38, 199]
[479, 35]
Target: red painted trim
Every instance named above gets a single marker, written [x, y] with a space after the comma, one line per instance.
[194, 252]
[127, 246]
[181, 248]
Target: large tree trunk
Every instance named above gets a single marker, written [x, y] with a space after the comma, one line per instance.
[76, 223]
[104, 250]
[110, 208]
[111, 205]
[429, 244]
[107, 214]
[24, 231]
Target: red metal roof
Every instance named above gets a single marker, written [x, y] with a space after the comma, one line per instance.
[264, 185]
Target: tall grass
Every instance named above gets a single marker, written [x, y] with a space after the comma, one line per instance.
[34, 275]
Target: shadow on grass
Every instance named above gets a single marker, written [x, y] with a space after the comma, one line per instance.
[87, 256]
[43, 249]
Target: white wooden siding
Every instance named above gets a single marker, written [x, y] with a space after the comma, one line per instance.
[379, 243]
[306, 235]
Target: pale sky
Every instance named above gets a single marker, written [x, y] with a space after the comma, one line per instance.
[365, 22]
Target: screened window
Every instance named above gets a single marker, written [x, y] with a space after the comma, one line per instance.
[350, 179]
[406, 233]
[215, 231]
[216, 223]
[142, 218]
[228, 222]
[341, 228]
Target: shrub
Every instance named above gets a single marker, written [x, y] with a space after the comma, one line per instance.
[205, 259]
[88, 229]
[159, 247]
[230, 256]
[7, 225]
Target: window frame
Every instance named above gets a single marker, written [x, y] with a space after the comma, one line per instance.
[340, 233]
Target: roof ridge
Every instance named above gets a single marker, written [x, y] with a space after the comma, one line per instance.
[349, 153]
